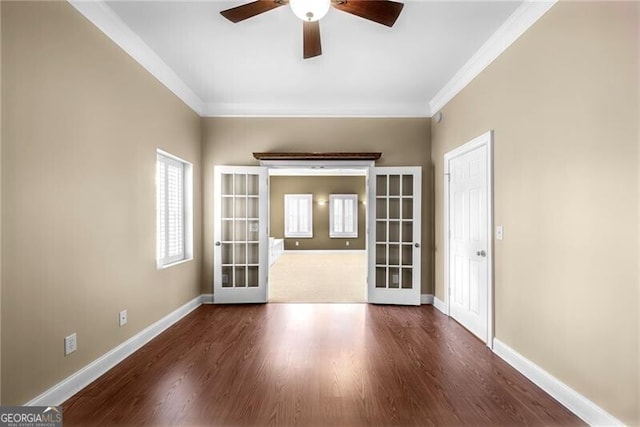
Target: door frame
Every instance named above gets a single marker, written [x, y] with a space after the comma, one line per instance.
[486, 139]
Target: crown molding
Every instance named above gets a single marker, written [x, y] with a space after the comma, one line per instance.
[519, 22]
[340, 109]
[101, 15]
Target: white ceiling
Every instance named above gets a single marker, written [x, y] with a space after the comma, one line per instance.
[255, 67]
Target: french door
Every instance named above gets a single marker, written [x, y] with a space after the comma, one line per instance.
[240, 234]
[394, 239]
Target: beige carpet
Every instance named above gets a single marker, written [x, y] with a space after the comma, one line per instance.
[318, 277]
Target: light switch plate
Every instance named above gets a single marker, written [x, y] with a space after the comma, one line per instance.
[499, 232]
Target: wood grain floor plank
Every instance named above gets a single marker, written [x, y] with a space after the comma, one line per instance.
[314, 365]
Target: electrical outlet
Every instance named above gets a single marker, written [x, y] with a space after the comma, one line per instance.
[499, 232]
[297, 243]
[123, 317]
[347, 243]
[70, 344]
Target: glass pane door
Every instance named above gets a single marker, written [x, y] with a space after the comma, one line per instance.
[240, 235]
[395, 215]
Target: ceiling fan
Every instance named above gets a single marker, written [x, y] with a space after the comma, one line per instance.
[383, 12]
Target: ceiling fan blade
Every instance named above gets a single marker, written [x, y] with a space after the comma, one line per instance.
[381, 11]
[240, 13]
[311, 39]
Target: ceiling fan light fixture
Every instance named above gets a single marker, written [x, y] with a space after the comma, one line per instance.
[310, 10]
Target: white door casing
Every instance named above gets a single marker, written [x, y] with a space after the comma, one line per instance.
[468, 225]
[394, 250]
[241, 242]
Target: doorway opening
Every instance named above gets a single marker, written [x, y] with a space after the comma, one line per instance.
[317, 235]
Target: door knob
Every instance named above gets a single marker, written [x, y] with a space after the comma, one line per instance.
[481, 253]
[417, 245]
[217, 243]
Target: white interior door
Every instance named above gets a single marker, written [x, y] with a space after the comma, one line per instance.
[395, 219]
[468, 241]
[240, 235]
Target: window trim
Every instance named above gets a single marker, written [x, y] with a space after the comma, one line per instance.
[187, 206]
[298, 234]
[343, 234]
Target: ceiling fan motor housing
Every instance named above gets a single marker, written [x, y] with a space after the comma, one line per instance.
[310, 10]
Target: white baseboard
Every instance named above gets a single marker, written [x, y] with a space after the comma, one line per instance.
[588, 411]
[207, 298]
[323, 251]
[62, 391]
[440, 305]
[426, 299]
[431, 299]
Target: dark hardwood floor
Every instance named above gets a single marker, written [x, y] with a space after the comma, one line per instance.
[314, 365]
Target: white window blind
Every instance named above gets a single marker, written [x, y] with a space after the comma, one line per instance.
[343, 215]
[171, 210]
[298, 215]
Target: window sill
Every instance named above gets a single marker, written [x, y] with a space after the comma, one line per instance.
[182, 261]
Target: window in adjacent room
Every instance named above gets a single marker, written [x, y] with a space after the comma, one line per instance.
[174, 206]
[298, 215]
[343, 215]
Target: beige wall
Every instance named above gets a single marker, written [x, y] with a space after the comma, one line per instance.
[230, 141]
[563, 101]
[81, 124]
[320, 187]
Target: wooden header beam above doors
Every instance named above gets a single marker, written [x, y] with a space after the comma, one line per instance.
[317, 156]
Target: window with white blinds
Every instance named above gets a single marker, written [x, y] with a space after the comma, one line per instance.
[298, 215]
[173, 219]
[343, 215]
